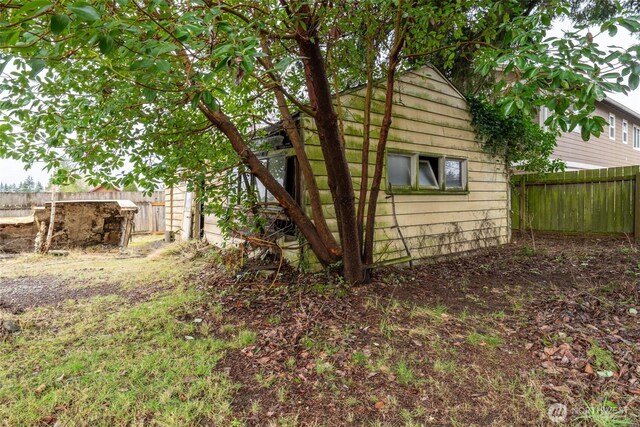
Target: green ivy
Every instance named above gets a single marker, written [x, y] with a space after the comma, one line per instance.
[521, 142]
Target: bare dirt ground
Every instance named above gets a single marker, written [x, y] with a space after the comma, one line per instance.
[492, 338]
[26, 283]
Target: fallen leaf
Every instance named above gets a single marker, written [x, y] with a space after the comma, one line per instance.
[588, 368]
[379, 405]
[40, 388]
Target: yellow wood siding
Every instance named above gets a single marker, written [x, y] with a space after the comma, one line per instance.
[429, 117]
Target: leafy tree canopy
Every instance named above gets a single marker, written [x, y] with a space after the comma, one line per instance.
[180, 88]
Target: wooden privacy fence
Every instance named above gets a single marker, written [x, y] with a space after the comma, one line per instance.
[587, 201]
[149, 219]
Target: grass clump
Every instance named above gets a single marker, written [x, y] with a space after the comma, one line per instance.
[601, 357]
[404, 373]
[491, 341]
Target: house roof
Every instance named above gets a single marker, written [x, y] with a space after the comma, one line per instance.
[622, 107]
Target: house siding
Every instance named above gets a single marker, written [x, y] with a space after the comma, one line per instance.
[429, 117]
[600, 152]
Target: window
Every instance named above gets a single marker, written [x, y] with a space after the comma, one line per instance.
[636, 137]
[426, 173]
[612, 126]
[625, 132]
[399, 170]
[544, 115]
[453, 173]
[578, 128]
[277, 168]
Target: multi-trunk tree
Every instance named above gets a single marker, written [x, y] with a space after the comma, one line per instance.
[177, 88]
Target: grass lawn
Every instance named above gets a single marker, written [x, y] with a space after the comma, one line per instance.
[166, 337]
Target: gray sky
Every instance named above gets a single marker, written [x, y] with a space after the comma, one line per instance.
[12, 171]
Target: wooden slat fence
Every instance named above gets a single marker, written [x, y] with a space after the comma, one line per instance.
[588, 201]
[149, 219]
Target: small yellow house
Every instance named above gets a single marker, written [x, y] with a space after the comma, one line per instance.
[444, 194]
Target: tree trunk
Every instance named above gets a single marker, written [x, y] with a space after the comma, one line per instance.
[334, 157]
[305, 166]
[293, 210]
[382, 142]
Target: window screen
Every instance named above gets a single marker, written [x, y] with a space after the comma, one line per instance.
[428, 172]
[399, 170]
[453, 173]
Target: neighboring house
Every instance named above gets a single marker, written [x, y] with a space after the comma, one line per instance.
[618, 145]
[448, 194]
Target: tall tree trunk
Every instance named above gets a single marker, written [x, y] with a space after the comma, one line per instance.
[366, 139]
[334, 156]
[399, 39]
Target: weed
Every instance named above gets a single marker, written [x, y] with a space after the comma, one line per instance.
[359, 358]
[308, 343]
[601, 357]
[245, 338]
[404, 373]
[386, 327]
[605, 414]
[528, 251]
[445, 366]
[275, 320]
[491, 341]
[323, 367]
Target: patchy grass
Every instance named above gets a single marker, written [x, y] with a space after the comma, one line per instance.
[100, 363]
[112, 361]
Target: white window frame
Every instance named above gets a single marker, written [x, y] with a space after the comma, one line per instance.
[544, 115]
[612, 126]
[636, 137]
[578, 128]
[439, 174]
[625, 132]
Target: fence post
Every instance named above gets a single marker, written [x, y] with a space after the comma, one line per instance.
[636, 208]
[523, 201]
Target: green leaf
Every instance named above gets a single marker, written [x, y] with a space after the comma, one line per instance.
[106, 44]
[195, 100]
[36, 65]
[210, 101]
[59, 23]
[141, 64]
[585, 132]
[613, 30]
[163, 65]
[634, 81]
[149, 94]
[34, 5]
[85, 12]
[282, 65]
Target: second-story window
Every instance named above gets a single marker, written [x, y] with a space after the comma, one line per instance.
[612, 126]
[636, 137]
[625, 132]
